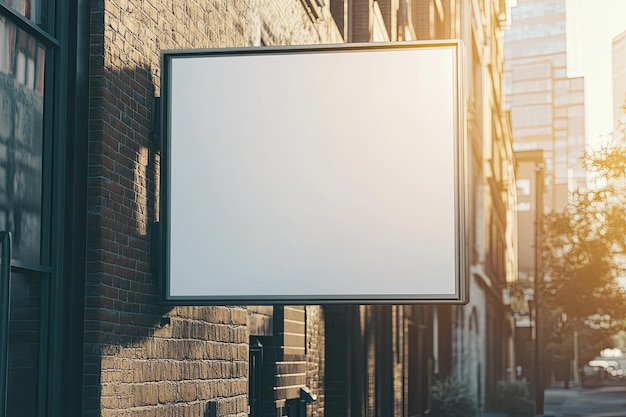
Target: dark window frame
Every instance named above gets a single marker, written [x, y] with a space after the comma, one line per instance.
[65, 36]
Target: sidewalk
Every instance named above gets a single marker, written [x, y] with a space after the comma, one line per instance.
[555, 398]
[606, 401]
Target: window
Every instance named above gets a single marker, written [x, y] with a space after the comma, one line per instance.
[29, 132]
[21, 176]
[523, 187]
[21, 140]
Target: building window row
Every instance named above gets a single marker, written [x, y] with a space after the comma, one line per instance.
[534, 32]
[537, 9]
[538, 47]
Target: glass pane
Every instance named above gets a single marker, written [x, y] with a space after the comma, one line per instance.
[24, 347]
[22, 61]
[34, 10]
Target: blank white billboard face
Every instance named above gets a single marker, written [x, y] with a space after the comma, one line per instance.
[314, 175]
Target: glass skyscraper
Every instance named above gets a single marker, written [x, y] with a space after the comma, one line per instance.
[547, 107]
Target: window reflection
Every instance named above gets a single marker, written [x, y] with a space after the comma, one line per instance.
[22, 61]
[33, 10]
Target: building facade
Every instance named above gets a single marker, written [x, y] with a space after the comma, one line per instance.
[548, 126]
[530, 182]
[547, 106]
[486, 330]
[619, 79]
[83, 332]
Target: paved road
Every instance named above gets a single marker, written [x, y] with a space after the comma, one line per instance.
[589, 402]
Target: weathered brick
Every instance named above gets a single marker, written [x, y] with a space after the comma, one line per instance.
[168, 392]
[145, 394]
[139, 364]
[187, 391]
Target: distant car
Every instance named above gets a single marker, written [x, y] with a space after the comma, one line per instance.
[592, 376]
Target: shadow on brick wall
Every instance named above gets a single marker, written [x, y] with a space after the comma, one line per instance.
[142, 357]
[121, 292]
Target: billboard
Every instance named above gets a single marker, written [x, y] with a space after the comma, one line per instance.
[312, 175]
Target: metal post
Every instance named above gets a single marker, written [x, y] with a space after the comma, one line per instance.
[538, 209]
[576, 360]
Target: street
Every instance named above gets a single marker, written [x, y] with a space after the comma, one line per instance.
[589, 402]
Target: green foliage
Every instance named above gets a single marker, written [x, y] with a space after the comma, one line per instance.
[512, 399]
[583, 250]
[517, 295]
[583, 246]
[608, 199]
[579, 265]
[453, 397]
[619, 340]
[592, 341]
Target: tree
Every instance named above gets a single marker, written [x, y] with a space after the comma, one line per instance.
[579, 263]
[584, 246]
[583, 259]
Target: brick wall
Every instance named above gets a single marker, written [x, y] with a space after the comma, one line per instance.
[140, 358]
[315, 360]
